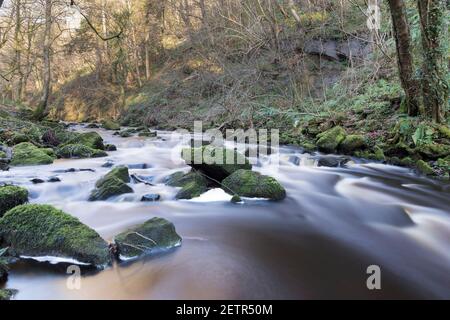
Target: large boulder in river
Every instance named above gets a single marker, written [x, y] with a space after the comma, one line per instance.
[79, 151]
[112, 184]
[7, 294]
[10, 197]
[41, 230]
[216, 162]
[110, 125]
[155, 235]
[329, 140]
[252, 184]
[90, 139]
[27, 154]
[192, 184]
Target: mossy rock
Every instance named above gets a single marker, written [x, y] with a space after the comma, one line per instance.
[154, 236]
[444, 131]
[148, 134]
[3, 155]
[7, 294]
[246, 183]
[112, 184]
[444, 163]
[399, 150]
[215, 162]
[329, 140]
[79, 151]
[18, 137]
[424, 168]
[50, 152]
[27, 154]
[89, 139]
[192, 184]
[110, 125]
[12, 196]
[352, 142]
[434, 150]
[41, 230]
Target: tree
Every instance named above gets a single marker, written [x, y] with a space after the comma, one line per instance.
[41, 110]
[434, 85]
[402, 36]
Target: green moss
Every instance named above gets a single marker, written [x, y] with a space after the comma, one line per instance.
[25, 154]
[434, 150]
[79, 151]
[112, 184]
[444, 131]
[153, 236]
[329, 140]
[42, 230]
[2, 154]
[12, 196]
[424, 168]
[252, 184]
[7, 294]
[216, 162]
[147, 134]
[50, 152]
[89, 139]
[352, 142]
[407, 162]
[379, 154]
[174, 179]
[110, 125]
[193, 184]
[236, 199]
[444, 163]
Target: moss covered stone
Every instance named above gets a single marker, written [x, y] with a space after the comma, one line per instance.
[3, 154]
[444, 131]
[216, 162]
[27, 154]
[192, 184]
[41, 230]
[329, 140]
[252, 184]
[352, 142]
[110, 125]
[90, 139]
[155, 235]
[12, 196]
[112, 184]
[79, 151]
[434, 150]
[7, 294]
[424, 168]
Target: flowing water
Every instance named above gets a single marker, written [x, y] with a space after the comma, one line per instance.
[317, 243]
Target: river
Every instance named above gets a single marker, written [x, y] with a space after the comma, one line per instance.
[316, 244]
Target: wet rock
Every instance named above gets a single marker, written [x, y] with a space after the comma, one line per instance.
[294, 160]
[236, 199]
[37, 180]
[331, 161]
[215, 162]
[150, 197]
[252, 184]
[434, 151]
[54, 179]
[27, 154]
[329, 140]
[92, 126]
[148, 134]
[89, 139]
[142, 179]
[12, 196]
[155, 235]
[424, 168]
[139, 166]
[79, 151]
[7, 294]
[192, 184]
[110, 147]
[112, 184]
[41, 230]
[108, 164]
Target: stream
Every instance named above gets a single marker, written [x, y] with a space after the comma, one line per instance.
[315, 244]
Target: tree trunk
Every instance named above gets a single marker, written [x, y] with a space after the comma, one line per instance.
[434, 84]
[41, 110]
[404, 56]
[17, 49]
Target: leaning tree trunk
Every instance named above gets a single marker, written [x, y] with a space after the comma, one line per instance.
[434, 84]
[41, 110]
[404, 56]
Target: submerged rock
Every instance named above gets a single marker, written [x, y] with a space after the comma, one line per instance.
[329, 140]
[12, 196]
[332, 161]
[7, 294]
[150, 197]
[37, 181]
[112, 184]
[192, 184]
[27, 154]
[41, 230]
[110, 147]
[215, 162]
[71, 151]
[155, 235]
[246, 183]
[108, 164]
